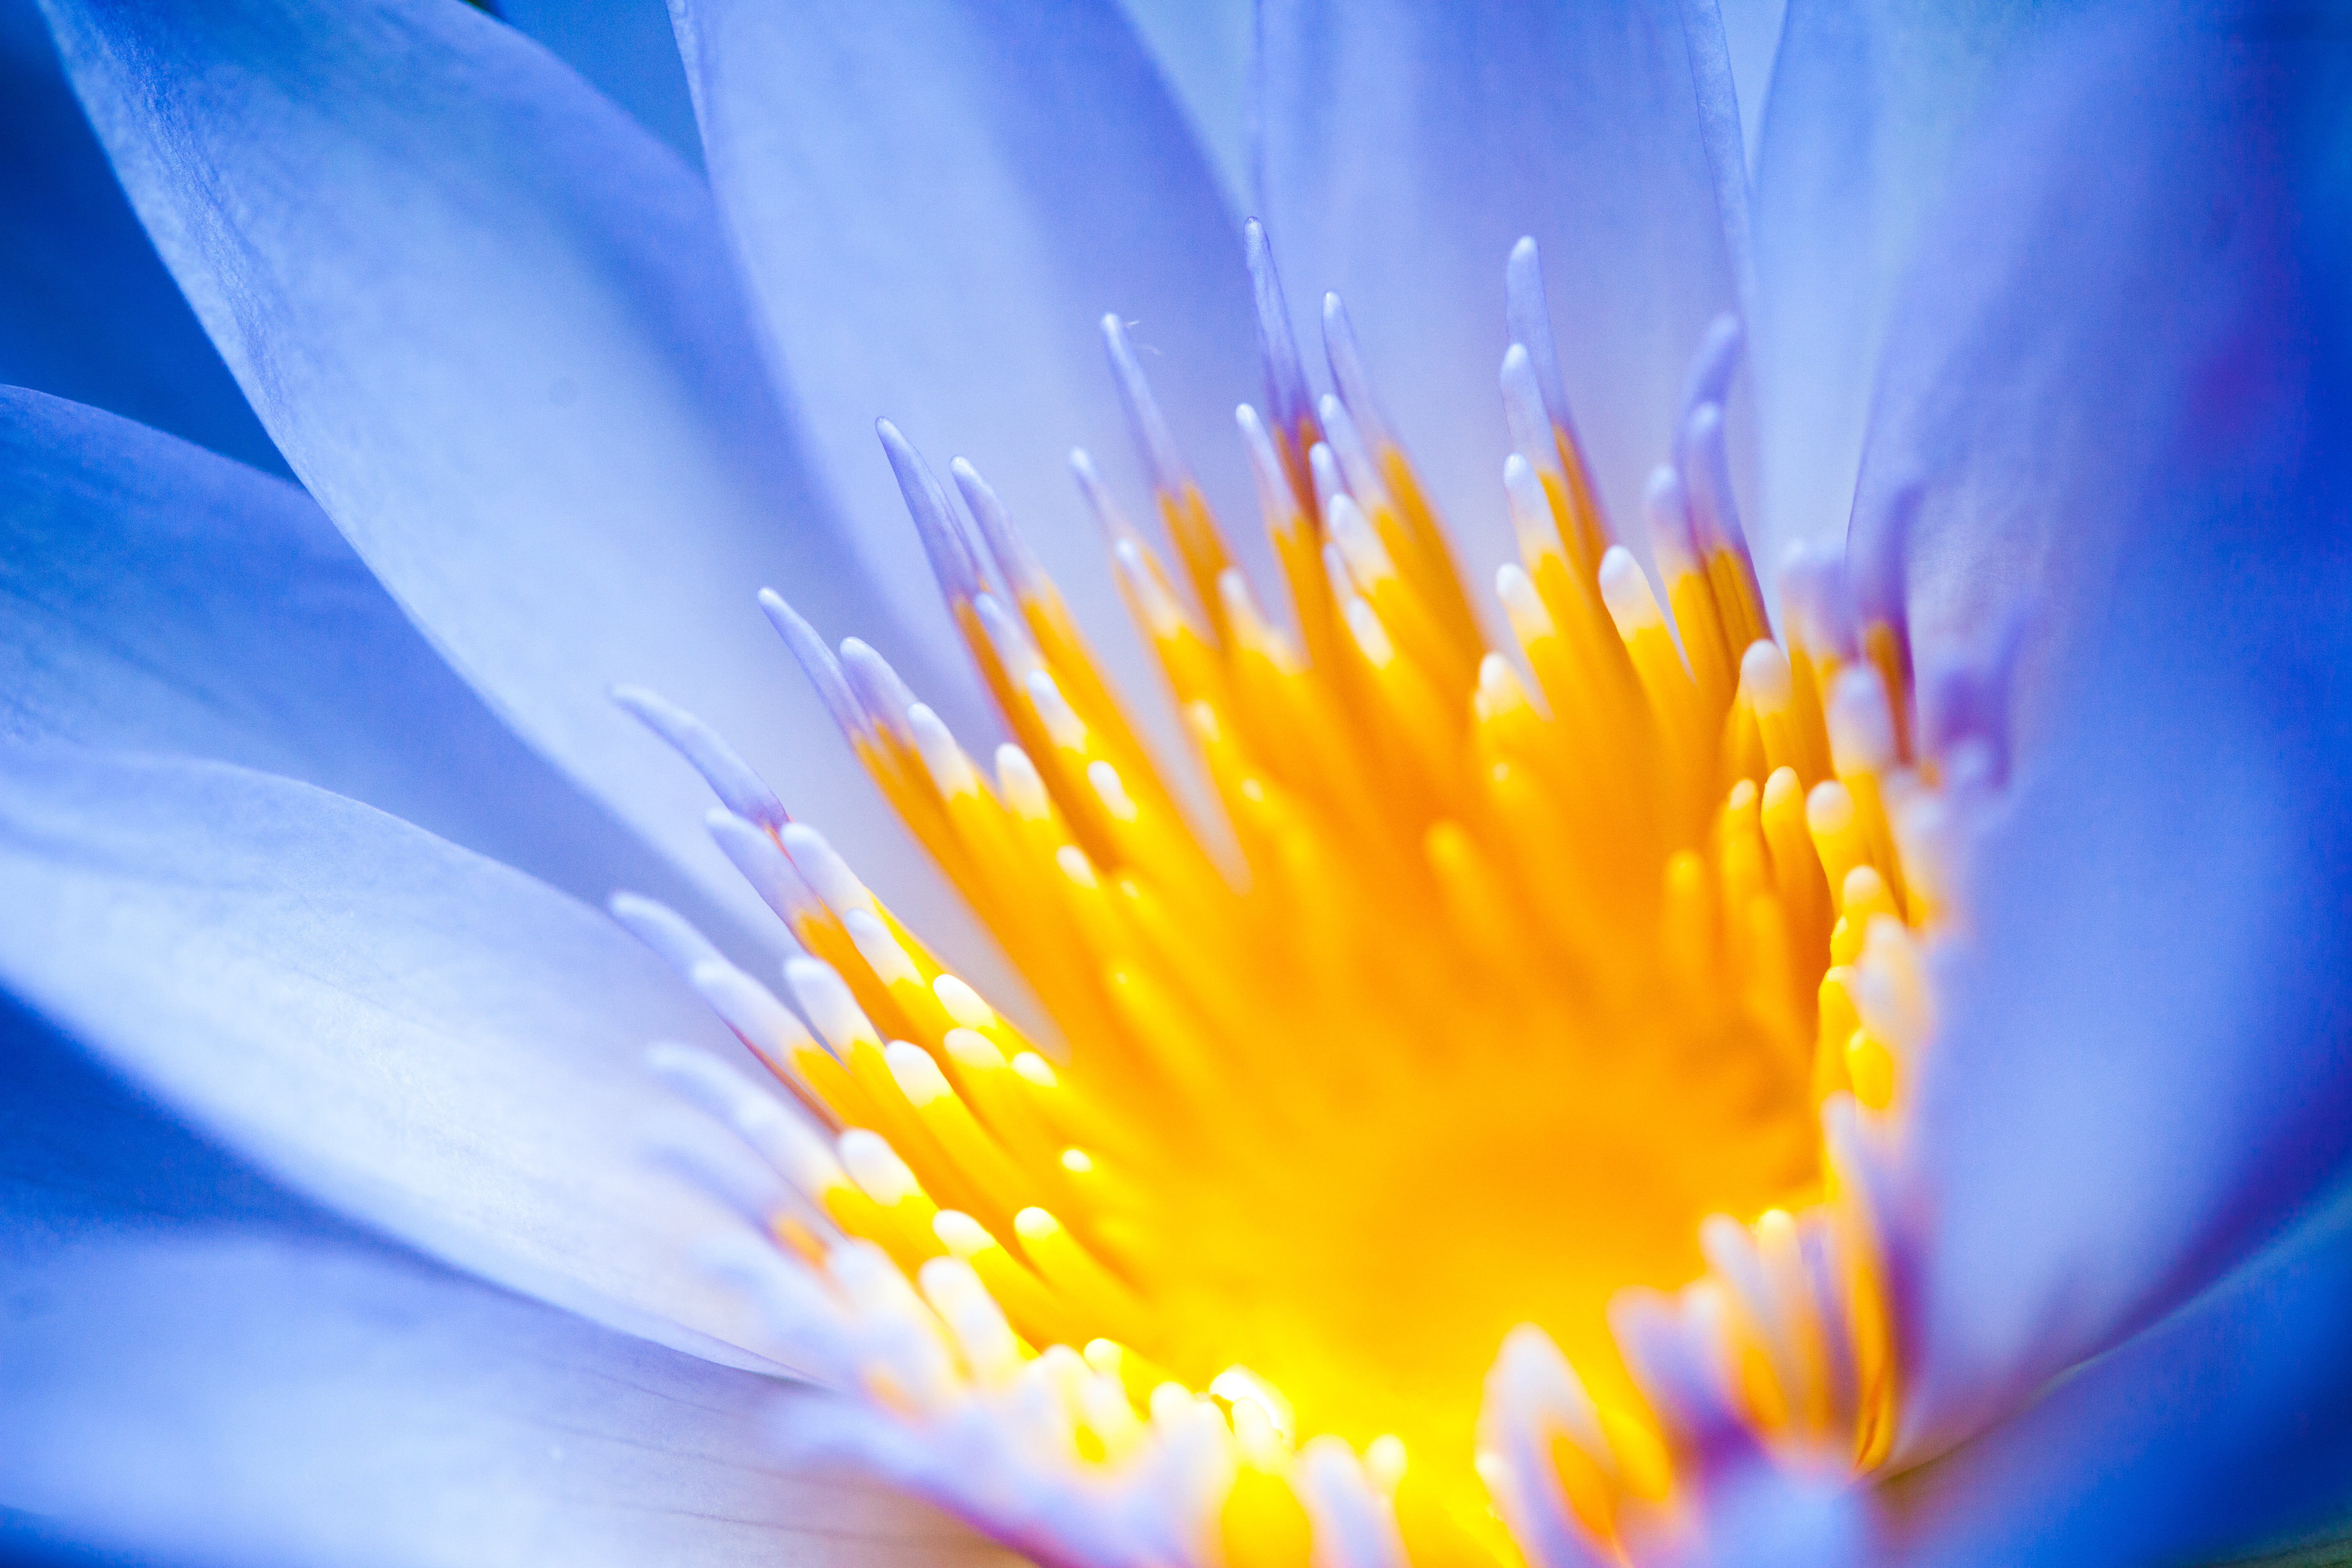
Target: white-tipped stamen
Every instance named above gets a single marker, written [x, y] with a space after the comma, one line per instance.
[1115, 529]
[1277, 502]
[1105, 781]
[1062, 725]
[1356, 465]
[876, 1167]
[879, 949]
[879, 692]
[1003, 543]
[730, 778]
[825, 870]
[750, 1008]
[1531, 519]
[963, 1004]
[765, 867]
[1861, 729]
[793, 1147]
[1368, 561]
[1667, 507]
[816, 662]
[1523, 407]
[940, 531]
[1017, 779]
[1633, 605]
[1348, 373]
[671, 936]
[832, 1007]
[1286, 380]
[1764, 676]
[1330, 483]
[951, 772]
[1709, 378]
[1529, 316]
[1015, 648]
[1144, 420]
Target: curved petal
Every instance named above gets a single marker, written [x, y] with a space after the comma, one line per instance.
[936, 201]
[1204, 49]
[1870, 104]
[1752, 30]
[2118, 391]
[1405, 147]
[625, 48]
[493, 326]
[199, 1367]
[162, 599]
[85, 309]
[419, 1036]
[2227, 1424]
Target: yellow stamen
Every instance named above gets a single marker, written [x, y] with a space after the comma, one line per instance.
[1517, 998]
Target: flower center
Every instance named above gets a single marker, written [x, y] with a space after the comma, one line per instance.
[1515, 990]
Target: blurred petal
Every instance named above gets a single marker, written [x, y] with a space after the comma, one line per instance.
[626, 49]
[87, 310]
[1406, 147]
[199, 1367]
[2221, 1427]
[1870, 101]
[163, 599]
[1751, 36]
[936, 204]
[1203, 50]
[416, 1036]
[2118, 391]
[492, 325]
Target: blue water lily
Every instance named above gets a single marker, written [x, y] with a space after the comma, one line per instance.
[1630, 1067]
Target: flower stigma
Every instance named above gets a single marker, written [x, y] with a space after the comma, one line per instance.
[1454, 1174]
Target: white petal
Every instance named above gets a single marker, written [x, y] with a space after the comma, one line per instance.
[1406, 148]
[493, 325]
[414, 1035]
[165, 599]
[936, 205]
[199, 1365]
[1869, 102]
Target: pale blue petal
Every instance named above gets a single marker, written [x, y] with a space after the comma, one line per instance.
[936, 205]
[2118, 394]
[1405, 147]
[87, 310]
[625, 48]
[160, 598]
[1870, 103]
[2227, 1424]
[1751, 36]
[1203, 50]
[199, 1367]
[492, 325]
[413, 1035]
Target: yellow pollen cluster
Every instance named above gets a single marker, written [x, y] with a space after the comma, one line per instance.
[1521, 982]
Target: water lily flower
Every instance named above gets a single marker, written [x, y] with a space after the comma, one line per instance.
[1626, 1067]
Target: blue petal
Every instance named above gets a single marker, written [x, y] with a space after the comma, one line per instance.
[1870, 103]
[1406, 147]
[492, 325]
[87, 310]
[1203, 50]
[414, 1036]
[2119, 391]
[936, 205]
[163, 599]
[2227, 1424]
[198, 1366]
[625, 48]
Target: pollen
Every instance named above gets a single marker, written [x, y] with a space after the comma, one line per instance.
[1446, 1130]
